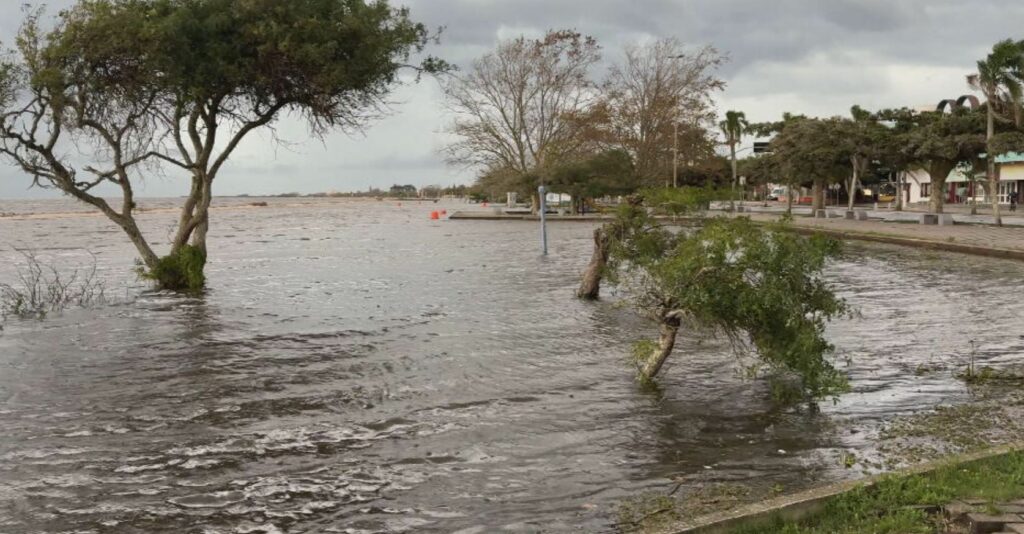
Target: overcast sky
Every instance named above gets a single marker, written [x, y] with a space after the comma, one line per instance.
[806, 56]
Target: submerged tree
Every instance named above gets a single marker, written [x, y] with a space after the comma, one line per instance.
[761, 288]
[182, 83]
[676, 202]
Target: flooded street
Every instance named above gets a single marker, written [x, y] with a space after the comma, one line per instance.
[358, 368]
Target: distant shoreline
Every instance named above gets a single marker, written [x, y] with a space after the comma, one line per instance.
[238, 203]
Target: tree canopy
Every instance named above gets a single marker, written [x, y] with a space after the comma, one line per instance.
[760, 288]
[183, 82]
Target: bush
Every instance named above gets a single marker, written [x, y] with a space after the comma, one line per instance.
[180, 271]
[682, 200]
[42, 289]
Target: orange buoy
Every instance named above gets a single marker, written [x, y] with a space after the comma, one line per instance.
[434, 216]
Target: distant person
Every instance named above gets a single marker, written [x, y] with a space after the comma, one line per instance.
[1013, 202]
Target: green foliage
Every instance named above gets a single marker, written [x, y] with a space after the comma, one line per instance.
[492, 185]
[810, 149]
[606, 173]
[407, 190]
[893, 504]
[761, 169]
[761, 287]
[1005, 142]
[324, 58]
[179, 271]
[682, 200]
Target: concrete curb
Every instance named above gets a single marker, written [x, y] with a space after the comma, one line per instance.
[799, 505]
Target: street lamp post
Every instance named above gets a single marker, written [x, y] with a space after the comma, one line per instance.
[735, 178]
[675, 154]
[543, 219]
[675, 140]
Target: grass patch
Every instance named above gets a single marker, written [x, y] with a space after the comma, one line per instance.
[901, 505]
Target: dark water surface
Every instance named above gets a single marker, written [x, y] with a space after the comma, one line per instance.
[358, 368]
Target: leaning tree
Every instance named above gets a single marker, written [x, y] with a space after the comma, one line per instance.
[760, 288]
[181, 83]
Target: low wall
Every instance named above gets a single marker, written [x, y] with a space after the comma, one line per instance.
[799, 505]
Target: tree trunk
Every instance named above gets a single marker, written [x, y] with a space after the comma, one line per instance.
[789, 199]
[938, 191]
[854, 179]
[590, 286]
[993, 176]
[149, 258]
[938, 172]
[993, 186]
[817, 198]
[735, 178]
[666, 341]
[185, 227]
[203, 215]
[899, 190]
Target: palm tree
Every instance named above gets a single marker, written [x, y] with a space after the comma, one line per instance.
[999, 79]
[734, 127]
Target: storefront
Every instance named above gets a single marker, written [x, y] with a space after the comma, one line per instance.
[960, 189]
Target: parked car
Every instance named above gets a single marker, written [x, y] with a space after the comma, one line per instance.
[779, 193]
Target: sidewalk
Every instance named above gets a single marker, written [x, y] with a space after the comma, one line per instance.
[1006, 241]
[960, 213]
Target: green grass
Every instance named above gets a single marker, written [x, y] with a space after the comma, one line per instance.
[895, 504]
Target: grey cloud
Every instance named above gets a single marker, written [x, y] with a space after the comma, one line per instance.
[815, 56]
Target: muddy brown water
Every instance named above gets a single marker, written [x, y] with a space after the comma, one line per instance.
[356, 367]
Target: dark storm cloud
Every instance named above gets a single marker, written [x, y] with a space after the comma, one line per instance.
[812, 56]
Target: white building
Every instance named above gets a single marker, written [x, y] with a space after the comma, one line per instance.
[959, 188]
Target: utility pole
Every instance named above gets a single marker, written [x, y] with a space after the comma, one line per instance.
[542, 191]
[675, 154]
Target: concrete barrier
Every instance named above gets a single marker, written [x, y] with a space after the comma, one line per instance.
[820, 214]
[799, 505]
[861, 215]
[849, 214]
[946, 219]
[928, 218]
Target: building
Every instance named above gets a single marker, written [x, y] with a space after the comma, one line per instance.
[960, 189]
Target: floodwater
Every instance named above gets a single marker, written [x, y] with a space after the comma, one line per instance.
[356, 367]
